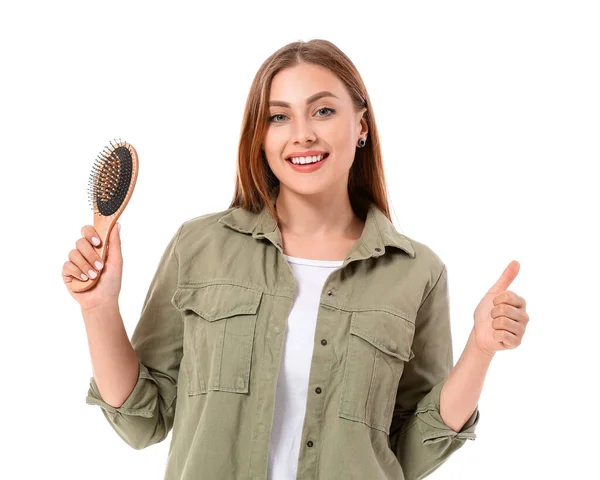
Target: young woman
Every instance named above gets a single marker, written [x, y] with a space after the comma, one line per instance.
[296, 334]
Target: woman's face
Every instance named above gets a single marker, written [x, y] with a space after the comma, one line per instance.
[326, 124]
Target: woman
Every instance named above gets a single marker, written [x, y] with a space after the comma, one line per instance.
[296, 334]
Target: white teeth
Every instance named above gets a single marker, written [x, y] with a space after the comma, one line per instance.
[303, 160]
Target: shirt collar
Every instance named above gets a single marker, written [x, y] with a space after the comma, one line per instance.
[377, 234]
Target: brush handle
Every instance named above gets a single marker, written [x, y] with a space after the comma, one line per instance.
[103, 226]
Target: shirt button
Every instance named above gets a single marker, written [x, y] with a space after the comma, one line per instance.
[318, 390]
[323, 342]
[240, 382]
[277, 329]
[329, 292]
[393, 345]
[309, 443]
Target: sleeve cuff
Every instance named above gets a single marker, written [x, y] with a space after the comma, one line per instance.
[432, 427]
[140, 402]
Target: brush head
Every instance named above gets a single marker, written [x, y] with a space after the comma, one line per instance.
[113, 175]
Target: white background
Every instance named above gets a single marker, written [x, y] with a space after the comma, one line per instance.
[489, 121]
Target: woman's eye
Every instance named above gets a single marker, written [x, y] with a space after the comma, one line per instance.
[328, 109]
[276, 115]
[331, 110]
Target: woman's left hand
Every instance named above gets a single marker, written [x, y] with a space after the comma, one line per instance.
[500, 318]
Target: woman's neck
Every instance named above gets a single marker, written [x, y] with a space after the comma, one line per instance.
[317, 216]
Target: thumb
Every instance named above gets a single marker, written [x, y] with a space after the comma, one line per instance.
[114, 245]
[507, 277]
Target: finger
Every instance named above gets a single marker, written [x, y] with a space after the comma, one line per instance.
[90, 254]
[505, 310]
[91, 235]
[509, 325]
[508, 339]
[70, 271]
[510, 298]
[79, 260]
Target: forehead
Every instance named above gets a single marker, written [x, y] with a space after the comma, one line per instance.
[296, 84]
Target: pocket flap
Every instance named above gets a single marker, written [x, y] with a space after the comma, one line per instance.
[214, 302]
[388, 332]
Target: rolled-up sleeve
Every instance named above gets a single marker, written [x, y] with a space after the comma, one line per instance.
[147, 415]
[418, 436]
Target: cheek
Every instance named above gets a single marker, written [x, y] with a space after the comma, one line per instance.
[345, 150]
[274, 144]
[339, 138]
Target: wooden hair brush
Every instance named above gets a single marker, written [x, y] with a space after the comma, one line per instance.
[111, 184]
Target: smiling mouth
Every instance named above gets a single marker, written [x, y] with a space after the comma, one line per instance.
[309, 163]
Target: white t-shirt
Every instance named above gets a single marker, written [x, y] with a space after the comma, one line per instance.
[292, 382]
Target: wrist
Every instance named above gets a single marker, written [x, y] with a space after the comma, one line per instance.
[108, 305]
[476, 350]
[102, 312]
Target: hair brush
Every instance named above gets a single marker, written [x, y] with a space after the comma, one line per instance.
[111, 184]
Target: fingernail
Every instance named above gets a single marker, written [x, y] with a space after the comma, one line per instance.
[98, 264]
[92, 274]
[84, 277]
[95, 241]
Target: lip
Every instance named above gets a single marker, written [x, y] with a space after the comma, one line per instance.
[308, 153]
[307, 167]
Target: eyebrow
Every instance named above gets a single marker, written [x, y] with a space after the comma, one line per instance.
[309, 100]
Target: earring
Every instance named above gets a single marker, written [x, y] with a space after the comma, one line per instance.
[362, 142]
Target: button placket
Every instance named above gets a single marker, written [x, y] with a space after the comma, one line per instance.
[313, 421]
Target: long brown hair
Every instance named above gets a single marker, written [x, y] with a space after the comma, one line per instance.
[255, 181]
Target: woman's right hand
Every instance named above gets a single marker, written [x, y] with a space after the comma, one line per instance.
[82, 259]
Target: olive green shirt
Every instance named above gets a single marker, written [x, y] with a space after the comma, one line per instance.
[210, 337]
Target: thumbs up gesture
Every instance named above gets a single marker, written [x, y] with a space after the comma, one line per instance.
[500, 318]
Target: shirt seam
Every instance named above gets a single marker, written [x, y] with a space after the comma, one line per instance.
[175, 246]
[434, 286]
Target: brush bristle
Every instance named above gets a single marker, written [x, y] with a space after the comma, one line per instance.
[110, 179]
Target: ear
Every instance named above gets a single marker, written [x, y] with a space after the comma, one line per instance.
[363, 122]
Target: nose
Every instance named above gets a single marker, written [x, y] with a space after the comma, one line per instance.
[303, 131]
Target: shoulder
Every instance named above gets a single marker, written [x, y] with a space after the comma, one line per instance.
[426, 258]
[209, 233]
[205, 225]
[205, 221]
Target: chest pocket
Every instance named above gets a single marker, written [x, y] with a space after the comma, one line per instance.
[378, 346]
[219, 324]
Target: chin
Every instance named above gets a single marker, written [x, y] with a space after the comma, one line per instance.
[306, 188]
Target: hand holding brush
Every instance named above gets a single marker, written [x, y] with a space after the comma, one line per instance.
[94, 270]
